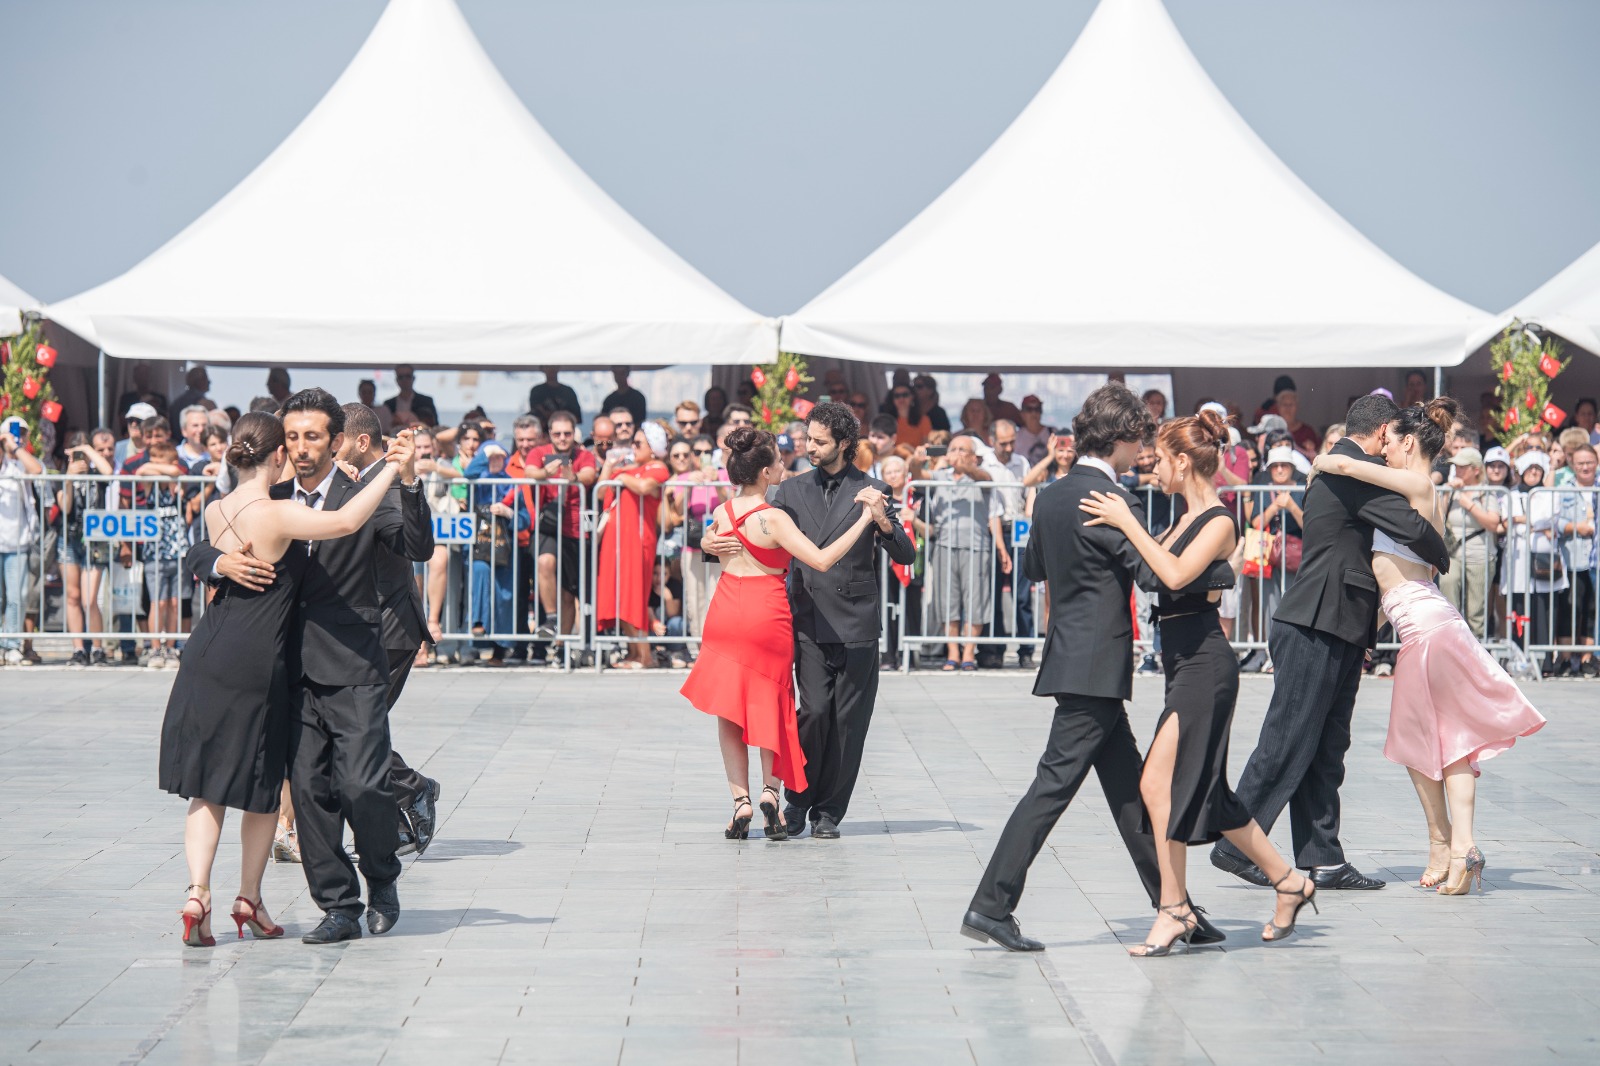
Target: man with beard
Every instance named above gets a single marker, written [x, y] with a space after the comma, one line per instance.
[836, 621]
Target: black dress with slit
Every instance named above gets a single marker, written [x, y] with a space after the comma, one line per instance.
[225, 737]
[1202, 687]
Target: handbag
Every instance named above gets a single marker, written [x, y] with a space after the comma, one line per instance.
[127, 597]
[1547, 566]
[1292, 547]
[493, 535]
[1258, 544]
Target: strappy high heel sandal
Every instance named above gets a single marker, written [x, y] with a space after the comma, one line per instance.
[285, 845]
[258, 929]
[775, 829]
[739, 828]
[1189, 922]
[1470, 872]
[1284, 932]
[1430, 875]
[192, 935]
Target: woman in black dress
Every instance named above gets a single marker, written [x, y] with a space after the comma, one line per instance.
[225, 738]
[1185, 777]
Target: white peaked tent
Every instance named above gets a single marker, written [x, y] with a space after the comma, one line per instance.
[418, 214]
[1569, 303]
[1130, 218]
[13, 302]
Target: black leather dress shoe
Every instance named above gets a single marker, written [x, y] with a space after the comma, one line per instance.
[383, 906]
[824, 828]
[423, 814]
[1243, 869]
[1005, 932]
[794, 820]
[1205, 934]
[335, 926]
[1345, 876]
[408, 843]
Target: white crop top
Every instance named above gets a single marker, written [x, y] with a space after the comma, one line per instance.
[1382, 542]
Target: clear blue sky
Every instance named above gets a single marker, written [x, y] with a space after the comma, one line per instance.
[774, 143]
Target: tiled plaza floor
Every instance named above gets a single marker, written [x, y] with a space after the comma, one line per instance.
[581, 905]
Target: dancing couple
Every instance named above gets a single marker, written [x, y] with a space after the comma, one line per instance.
[763, 646]
[1090, 544]
[291, 674]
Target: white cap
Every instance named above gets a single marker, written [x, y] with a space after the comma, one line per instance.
[1281, 454]
[1496, 454]
[140, 410]
[1533, 458]
[1221, 411]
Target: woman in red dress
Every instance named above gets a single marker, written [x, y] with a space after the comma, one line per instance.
[745, 672]
[627, 561]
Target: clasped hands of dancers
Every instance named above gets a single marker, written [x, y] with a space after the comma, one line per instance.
[1452, 707]
[295, 665]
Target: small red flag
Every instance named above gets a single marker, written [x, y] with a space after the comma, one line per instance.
[757, 377]
[1511, 419]
[791, 380]
[30, 388]
[1553, 415]
[45, 355]
[1549, 364]
[1532, 401]
[1505, 371]
[803, 407]
[51, 411]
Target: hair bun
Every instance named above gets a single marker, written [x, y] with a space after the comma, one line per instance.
[743, 439]
[1212, 426]
[1444, 412]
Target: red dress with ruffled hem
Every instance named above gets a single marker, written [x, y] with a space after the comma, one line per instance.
[745, 672]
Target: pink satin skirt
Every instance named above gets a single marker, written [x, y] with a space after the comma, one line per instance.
[1451, 699]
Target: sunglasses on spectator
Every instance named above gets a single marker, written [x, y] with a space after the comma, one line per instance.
[703, 451]
[901, 395]
[688, 422]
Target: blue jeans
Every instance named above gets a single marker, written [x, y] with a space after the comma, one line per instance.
[491, 598]
[13, 587]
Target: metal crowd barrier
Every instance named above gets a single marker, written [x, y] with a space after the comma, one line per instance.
[484, 588]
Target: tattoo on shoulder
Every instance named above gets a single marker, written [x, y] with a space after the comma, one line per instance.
[762, 522]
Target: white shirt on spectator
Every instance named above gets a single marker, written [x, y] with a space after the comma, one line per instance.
[19, 524]
[1012, 470]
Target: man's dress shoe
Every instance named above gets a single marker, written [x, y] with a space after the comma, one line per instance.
[408, 843]
[334, 927]
[383, 906]
[423, 814]
[824, 828]
[1344, 876]
[1243, 869]
[794, 820]
[1205, 934]
[1004, 932]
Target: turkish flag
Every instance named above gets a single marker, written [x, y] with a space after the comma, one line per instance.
[30, 388]
[1549, 364]
[1553, 415]
[803, 407]
[1511, 419]
[1505, 371]
[51, 411]
[1532, 401]
[45, 355]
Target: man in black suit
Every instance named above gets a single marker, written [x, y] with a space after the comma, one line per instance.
[836, 616]
[1320, 636]
[1087, 667]
[405, 628]
[339, 747]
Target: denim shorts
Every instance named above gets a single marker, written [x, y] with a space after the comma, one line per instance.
[161, 579]
[74, 551]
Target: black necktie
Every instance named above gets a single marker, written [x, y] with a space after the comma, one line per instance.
[310, 500]
[830, 489]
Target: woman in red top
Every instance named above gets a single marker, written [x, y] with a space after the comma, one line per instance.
[627, 561]
[745, 672]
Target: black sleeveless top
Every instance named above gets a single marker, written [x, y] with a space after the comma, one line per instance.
[1193, 598]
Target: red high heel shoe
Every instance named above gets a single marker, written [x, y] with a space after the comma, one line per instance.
[192, 936]
[258, 929]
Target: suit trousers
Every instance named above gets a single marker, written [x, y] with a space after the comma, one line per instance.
[339, 773]
[406, 783]
[836, 686]
[1299, 758]
[1088, 731]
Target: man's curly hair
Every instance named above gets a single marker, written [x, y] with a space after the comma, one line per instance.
[842, 423]
[1112, 413]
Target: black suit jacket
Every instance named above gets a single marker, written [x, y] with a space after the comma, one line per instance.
[338, 617]
[1334, 591]
[405, 625]
[842, 605]
[1089, 648]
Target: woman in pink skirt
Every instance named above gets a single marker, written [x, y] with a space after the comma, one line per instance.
[1453, 705]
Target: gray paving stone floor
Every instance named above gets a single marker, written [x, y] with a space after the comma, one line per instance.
[581, 906]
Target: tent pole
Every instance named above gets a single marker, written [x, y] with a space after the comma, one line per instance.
[105, 400]
[1438, 381]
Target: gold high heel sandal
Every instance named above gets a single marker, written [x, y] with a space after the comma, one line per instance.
[1431, 875]
[1471, 871]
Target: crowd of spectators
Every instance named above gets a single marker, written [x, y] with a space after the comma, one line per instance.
[546, 541]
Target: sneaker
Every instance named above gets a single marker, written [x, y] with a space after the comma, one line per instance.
[78, 658]
[1253, 662]
[545, 632]
[173, 657]
[1590, 669]
[97, 657]
[30, 657]
[154, 661]
[14, 657]
[1148, 666]
[1383, 670]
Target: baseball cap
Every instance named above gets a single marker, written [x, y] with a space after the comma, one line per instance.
[1381, 391]
[140, 410]
[1467, 457]
[1496, 454]
[785, 442]
[1533, 458]
[1269, 423]
[1216, 408]
[1031, 400]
